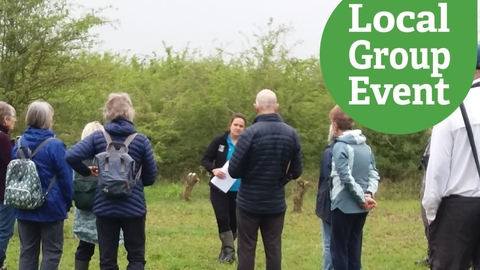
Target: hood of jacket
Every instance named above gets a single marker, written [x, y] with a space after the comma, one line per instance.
[352, 137]
[120, 127]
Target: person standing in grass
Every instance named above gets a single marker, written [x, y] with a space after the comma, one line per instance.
[267, 155]
[84, 221]
[322, 208]
[125, 213]
[424, 165]
[224, 204]
[8, 118]
[354, 184]
[452, 187]
[43, 226]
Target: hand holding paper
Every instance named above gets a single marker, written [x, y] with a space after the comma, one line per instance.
[226, 183]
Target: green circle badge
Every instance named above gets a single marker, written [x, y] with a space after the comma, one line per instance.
[400, 67]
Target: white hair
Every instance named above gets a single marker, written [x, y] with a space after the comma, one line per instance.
[6, 110]
[118, 105]
[39, 115]
[266, 100]
[90, 128]
[331, 136]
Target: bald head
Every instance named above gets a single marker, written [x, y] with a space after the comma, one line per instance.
[266, 101]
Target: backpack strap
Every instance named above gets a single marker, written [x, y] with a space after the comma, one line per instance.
[41, 146]
[107, 136]
[130, 139]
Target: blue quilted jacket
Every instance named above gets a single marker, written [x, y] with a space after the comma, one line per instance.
[49, 160]
[140, 150]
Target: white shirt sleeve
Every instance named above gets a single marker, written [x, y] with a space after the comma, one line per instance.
[438, 168]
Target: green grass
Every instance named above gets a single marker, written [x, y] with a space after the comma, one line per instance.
[183, 235]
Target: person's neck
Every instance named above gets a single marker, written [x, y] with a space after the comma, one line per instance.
[266, 112]
[234, 139]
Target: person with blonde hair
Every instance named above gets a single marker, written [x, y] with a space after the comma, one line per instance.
[7, 215]
[84, 222]
[126, 213]
[43, 226]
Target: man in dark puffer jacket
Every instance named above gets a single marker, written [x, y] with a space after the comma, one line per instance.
[265, 154]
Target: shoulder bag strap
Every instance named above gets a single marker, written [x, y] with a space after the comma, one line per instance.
[470, 132]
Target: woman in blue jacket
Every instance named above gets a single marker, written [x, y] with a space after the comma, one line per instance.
[44, 225]
[125, 213]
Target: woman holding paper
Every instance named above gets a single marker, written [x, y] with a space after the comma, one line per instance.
[224, 203]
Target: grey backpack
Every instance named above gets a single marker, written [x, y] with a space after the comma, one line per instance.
[116, 168]
[23, 186]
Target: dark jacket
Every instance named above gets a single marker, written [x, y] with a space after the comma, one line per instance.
[261, 157]
[323, 195]
[50, 161]
[140, 150]
[215, 155]
[425, 155]
[5, 157]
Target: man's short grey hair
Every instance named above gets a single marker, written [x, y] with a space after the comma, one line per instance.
[118, 105]
[39, 114]
[6, 110]
[266, 100]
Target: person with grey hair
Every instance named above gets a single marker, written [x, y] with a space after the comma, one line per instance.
[268, 155]
[44, 226]
[7, 215]
[118, 213]
[322, 209]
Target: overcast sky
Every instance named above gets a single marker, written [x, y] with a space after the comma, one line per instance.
[206, 24]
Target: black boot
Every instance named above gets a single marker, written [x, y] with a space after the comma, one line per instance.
[81, 265]
[227, 255]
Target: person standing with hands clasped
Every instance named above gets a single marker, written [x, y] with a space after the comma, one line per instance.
[354, 184]
[224, 204]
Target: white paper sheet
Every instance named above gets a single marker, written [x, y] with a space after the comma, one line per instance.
[226, 183]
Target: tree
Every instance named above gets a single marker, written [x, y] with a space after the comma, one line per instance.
[41, 44]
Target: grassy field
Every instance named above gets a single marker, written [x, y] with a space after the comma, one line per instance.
[183, 235]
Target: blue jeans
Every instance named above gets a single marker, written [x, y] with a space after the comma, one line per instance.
[7, 222]
[326, 233]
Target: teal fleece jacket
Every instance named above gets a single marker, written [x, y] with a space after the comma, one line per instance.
[354, 172]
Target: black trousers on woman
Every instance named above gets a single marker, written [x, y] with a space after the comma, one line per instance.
[224, 205]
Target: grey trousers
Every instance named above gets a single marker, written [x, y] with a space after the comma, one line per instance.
[32, 234]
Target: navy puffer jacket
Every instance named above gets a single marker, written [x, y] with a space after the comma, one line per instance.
[261, 158]
[141, 151]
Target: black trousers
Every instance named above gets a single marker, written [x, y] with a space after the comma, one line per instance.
[346, 240]
[84, 251]
[108, 240]
[271, 227]
[224, 206]
[454, 235]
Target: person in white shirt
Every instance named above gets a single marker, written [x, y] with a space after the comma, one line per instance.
[452, 188]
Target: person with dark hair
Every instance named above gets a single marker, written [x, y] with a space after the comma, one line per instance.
[224, 204]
